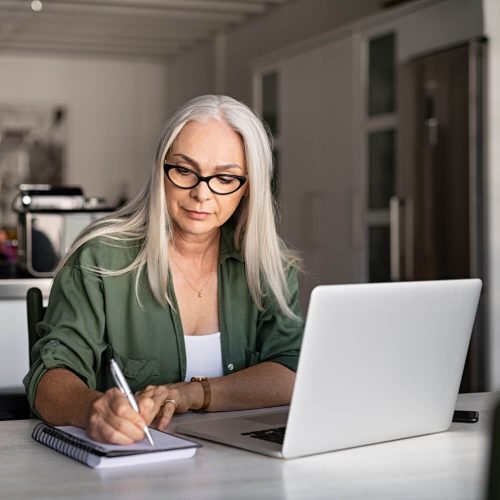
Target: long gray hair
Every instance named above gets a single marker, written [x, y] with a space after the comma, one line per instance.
[146, 218]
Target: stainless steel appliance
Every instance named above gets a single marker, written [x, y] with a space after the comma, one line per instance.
[49, 220]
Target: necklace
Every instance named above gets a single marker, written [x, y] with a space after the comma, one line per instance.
[198, 291]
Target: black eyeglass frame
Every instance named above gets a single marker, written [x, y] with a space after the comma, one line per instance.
[167, 167]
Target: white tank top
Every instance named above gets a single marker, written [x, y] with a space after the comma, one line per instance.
[203, 356]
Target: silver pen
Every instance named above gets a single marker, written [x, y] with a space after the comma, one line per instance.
[121, 382]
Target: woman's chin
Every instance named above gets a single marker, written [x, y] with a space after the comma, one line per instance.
[196, 227]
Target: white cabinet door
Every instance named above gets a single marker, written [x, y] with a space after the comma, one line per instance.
[14, 358]
[319, 165]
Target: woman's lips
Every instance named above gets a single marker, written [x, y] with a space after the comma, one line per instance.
[193, 214]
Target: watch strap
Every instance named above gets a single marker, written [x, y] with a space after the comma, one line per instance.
[207, 392]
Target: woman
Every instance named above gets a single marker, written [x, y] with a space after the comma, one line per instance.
[189, 279]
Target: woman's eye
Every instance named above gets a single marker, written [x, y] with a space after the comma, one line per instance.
[225, 180]
[183, 171]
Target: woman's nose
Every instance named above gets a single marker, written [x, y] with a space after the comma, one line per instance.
[201, 192]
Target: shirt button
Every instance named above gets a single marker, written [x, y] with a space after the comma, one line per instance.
[230, 367]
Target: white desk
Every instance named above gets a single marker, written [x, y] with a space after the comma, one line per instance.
[449, 465]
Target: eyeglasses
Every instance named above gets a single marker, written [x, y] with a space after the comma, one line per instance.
[186, 178]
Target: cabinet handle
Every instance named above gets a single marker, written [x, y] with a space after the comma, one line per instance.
[396, 218]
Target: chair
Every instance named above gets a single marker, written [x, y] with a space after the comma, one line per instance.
[36, 312]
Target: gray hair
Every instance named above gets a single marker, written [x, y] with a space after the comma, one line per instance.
[146, 219]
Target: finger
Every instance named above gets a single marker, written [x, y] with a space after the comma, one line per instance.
[147, 391]
[159, 396]
[166, 415]
[147, 408]
[107, 428]
[131, 428]
[120, 406]
[122, 417]
[106, 433]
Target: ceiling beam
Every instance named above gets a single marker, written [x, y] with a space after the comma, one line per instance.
[102, 33]
[99, 41]
[64, 47]
[241, 7]
[128, 23]
[61, 52]
[56, 6]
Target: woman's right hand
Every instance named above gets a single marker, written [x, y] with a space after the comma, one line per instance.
[111, 419]
[62, 398]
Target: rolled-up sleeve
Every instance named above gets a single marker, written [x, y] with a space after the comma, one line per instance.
[280, 336]
[72, 333]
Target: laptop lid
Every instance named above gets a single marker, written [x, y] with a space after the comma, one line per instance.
[379, 362]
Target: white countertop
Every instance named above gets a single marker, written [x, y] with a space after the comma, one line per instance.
[16, 288]
[14, 356]
[448, 465]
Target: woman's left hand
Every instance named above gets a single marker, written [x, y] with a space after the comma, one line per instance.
[168, 399]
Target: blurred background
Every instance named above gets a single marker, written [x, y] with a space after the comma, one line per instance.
[385, 115]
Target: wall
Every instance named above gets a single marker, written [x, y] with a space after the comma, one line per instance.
[446, 23]
[492, 31]
[115, 110]
[192, 72]
[282, 27]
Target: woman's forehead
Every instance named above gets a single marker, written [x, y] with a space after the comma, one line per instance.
[211, 140]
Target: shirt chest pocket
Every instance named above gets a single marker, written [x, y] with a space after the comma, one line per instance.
[138, 372]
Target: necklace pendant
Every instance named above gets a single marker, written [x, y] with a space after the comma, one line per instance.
[199, 295]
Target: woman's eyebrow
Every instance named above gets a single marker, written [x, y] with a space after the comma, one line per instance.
[197, 165]
[187, 159]
[229, 165]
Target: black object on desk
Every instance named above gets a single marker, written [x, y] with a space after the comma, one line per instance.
[13, 406]
[466, 416]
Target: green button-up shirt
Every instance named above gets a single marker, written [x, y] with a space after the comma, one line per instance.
[91, 318]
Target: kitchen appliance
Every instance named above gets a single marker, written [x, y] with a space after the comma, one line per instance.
[49, 220]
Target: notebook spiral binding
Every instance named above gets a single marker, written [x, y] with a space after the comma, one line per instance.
[66, 444]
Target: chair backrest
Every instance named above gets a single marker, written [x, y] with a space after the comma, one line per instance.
[36, 312]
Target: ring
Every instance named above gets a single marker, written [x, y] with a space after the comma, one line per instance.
[173, 401]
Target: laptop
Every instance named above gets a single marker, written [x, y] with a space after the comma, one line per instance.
[378, 362]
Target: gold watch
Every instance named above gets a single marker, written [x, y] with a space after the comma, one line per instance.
[207, 393]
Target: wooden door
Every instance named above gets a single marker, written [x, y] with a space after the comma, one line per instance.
[438, 177]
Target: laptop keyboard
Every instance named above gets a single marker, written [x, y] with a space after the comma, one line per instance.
[275, 435]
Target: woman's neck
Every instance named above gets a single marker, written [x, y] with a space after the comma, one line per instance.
[195, 247]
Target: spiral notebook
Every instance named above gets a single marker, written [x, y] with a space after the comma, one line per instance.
[74, 443]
